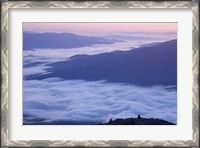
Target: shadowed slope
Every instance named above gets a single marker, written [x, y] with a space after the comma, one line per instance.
[146, 66]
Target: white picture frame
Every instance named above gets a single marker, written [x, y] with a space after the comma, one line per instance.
[6, 95]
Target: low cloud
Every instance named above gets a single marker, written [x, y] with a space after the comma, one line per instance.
[47, 56]
[55, 99]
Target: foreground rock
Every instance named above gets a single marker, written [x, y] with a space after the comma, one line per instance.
[138, 121]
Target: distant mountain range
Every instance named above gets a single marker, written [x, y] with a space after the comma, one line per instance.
[127, 37]
[145, 66]
[52, 40]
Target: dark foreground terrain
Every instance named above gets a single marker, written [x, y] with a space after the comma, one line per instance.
[30, 120]
[138, 121]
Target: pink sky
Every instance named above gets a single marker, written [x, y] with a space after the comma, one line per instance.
[100, 27]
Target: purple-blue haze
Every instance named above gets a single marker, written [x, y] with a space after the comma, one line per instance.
[80, 79]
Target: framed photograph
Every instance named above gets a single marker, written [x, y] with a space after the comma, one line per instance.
[100, 73]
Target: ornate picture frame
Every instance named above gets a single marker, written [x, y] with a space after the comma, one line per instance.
[6, 5]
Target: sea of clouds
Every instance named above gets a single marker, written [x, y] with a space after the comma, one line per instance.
[52, 55]
[47, 56]
[82, 101]
[94, 102]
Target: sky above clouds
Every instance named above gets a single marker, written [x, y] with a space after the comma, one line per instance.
[103, 28]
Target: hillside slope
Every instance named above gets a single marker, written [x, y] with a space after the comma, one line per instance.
[146, 66]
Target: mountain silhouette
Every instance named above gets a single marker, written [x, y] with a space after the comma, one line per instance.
[145, 66]
[60, 40]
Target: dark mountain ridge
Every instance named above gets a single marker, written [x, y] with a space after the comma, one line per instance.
[145, 66]
[60, 40]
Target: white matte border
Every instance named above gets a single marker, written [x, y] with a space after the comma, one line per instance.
[181, 131]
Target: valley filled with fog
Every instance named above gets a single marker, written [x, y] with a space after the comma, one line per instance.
[103, 78]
